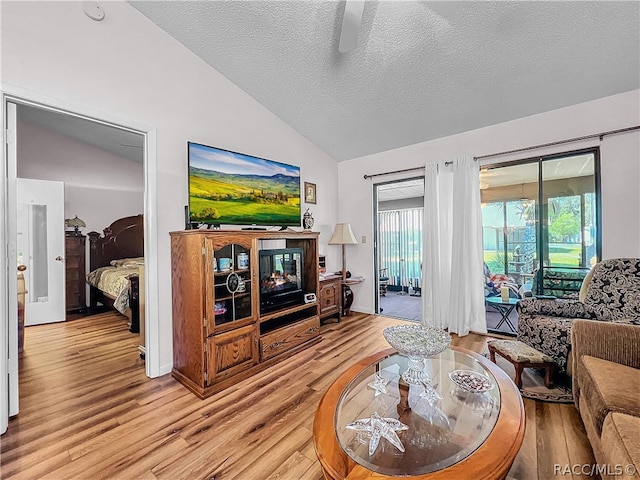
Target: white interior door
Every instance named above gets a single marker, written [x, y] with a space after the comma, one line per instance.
[40, 246]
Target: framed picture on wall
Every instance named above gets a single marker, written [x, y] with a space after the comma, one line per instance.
[309, 192]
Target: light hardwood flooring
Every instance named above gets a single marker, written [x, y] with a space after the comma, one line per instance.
[88, 411]
[409, 307]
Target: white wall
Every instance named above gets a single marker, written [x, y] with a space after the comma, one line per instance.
[99, 187]
[620, 164]
[131, 69]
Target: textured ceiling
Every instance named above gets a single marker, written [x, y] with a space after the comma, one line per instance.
[420, 71]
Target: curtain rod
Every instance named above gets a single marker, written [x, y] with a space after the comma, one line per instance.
[600, 135]
[395, 171]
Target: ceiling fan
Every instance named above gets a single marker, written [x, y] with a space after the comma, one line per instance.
[351, 25]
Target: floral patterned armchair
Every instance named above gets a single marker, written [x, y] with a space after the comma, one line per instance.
[610, 292]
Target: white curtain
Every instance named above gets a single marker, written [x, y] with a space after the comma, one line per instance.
[452, 285]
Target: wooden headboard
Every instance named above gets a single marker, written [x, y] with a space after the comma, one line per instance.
[124, 238]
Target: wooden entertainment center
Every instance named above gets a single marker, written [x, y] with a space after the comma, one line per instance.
[220, 336]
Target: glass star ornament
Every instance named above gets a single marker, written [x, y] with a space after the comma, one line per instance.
[379, 427]
[379, 384]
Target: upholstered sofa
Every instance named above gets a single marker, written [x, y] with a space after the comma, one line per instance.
[610, 292]
[606, 382]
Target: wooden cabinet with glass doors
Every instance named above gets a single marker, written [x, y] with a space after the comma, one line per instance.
[231, 342]
[219, 334]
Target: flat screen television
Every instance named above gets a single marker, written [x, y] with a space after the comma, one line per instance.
[281, 278]
[232, 188]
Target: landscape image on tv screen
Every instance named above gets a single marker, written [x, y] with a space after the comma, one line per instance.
[233, 188]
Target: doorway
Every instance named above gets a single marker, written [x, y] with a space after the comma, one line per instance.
[11, 104]
[100, 171]
[398, 248]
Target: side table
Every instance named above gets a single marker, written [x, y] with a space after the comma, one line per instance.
[504, 309]
[330, 297]
[347, 294]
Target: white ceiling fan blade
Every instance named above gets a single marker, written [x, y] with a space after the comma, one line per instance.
[351, 25]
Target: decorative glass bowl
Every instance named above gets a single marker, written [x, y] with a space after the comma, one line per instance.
[418, 342]
[471, 381]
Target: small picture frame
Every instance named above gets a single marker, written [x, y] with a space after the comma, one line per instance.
[309, 192]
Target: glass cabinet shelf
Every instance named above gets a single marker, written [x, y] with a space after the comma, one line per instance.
[231, 283]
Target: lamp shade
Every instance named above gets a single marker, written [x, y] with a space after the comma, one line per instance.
[343, 235]
[75, 223]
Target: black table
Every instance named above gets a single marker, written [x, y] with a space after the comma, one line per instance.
[504, 309]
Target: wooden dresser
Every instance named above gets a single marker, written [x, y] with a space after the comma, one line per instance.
[330, 297]
[75, 273]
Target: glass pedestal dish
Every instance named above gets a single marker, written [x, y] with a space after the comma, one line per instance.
[418, 343]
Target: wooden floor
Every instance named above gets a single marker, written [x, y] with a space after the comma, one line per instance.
[88, 411]
[409, 307]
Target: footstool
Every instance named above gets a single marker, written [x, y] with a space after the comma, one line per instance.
[521, 356]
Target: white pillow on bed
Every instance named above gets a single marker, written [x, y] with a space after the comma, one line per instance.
[128, 262]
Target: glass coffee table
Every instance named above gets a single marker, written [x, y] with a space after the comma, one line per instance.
[370, 423]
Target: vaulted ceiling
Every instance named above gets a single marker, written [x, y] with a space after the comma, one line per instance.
[420, 70]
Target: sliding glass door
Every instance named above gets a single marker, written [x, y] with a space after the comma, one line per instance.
[509, 220]
[570, 230]
[541, 213]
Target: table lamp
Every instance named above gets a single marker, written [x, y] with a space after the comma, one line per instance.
[76, 223]
[343, 235]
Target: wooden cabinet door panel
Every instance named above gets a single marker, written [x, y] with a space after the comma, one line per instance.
[228, 309]
[231, 352]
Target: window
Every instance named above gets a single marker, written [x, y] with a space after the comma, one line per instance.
[541, 213]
